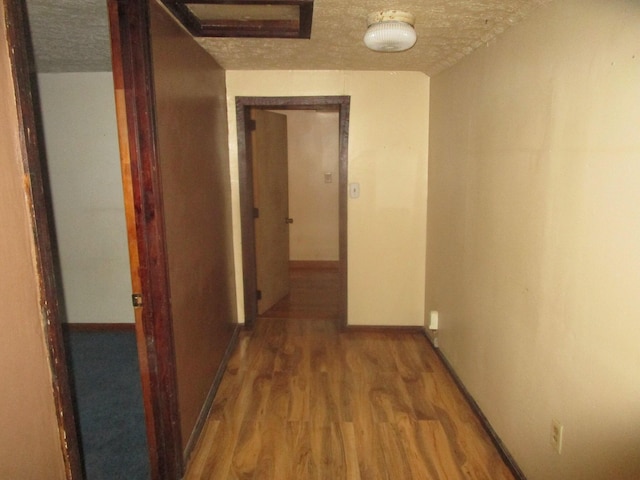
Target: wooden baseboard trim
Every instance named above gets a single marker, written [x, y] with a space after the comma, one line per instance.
[206, 407]
[384, 328]
[99, 327]
[495, 439]
[316, 264]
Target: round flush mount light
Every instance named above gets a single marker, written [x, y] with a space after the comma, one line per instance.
[390, 31]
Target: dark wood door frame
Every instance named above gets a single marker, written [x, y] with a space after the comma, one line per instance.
[340, 104]
[32, 144]
[133, 72]
[129, 22]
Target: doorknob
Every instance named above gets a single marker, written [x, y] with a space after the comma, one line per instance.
[288, 220]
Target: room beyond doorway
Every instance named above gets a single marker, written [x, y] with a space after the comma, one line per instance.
[244, 107]
[314, 294]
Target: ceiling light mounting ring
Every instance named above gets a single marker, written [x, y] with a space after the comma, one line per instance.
[390, 31]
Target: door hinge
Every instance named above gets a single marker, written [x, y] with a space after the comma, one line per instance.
[259, 294]
[256, 212]
[251, 125]
[136, 299]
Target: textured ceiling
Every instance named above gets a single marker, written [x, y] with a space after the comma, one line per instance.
[72, 35]
[447, 30]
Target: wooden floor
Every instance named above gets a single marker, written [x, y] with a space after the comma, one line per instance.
[313, 295]
[301, 400]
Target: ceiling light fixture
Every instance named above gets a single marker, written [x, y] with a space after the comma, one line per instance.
[390, 31]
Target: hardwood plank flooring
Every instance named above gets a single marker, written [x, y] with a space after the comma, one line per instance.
[300, 400]
[313, 295]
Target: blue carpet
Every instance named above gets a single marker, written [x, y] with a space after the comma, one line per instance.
[108, 395]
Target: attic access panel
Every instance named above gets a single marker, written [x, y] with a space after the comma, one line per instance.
[244, 18]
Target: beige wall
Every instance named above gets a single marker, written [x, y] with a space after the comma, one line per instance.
[29, 442]
[313, 149]
[194, 167]
[533, 254]
[79, 119]
[388, 157]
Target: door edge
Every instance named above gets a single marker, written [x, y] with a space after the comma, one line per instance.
[130, 26]
[32, 144]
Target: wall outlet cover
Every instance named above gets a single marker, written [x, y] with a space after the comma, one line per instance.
[557, 430]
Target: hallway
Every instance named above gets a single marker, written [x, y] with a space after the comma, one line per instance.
[301, 400]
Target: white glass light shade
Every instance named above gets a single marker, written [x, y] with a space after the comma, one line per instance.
[390, 36]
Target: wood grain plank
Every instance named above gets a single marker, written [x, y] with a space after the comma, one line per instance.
[201, 466]
[395, 457]
[246, 454]
[302, 400]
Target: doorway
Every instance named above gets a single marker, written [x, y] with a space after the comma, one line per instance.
[130, 33]
[337, 280]
[78, 131]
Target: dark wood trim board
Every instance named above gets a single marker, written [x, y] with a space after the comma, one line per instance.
[206, 408]
[131, 53]
[32, 140]
[240, 27]
[495, 439]
[100, 327]
[314, 264]
[402, 329]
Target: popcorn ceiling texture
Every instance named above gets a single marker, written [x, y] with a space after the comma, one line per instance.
[73, 35]
[70, 35]
[447, 30]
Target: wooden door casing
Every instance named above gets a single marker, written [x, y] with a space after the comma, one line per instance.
[38, 202]
[133, 74]
[341, 104]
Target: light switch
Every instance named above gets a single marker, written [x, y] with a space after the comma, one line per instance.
[354, 190]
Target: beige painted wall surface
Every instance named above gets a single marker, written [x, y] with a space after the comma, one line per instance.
[313, 145]
[29, 442]
[79, 119]
[388, 157]
[534, 235]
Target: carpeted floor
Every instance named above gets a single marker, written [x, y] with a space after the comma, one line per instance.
[105, 377]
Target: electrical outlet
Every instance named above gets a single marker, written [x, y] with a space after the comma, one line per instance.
[556, 436]
[433, 320]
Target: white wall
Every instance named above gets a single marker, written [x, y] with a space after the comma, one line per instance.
[533, 254]
[84, 167]
[388, 157]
